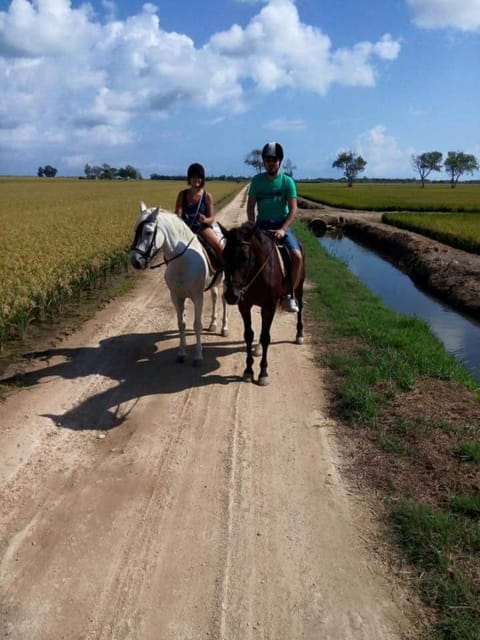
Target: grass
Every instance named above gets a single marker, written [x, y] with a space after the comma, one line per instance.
[393, 196]
[412, 416]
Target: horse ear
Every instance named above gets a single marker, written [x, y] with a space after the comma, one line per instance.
[143, 206]
[156, 211]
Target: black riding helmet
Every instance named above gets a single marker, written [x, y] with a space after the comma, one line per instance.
[272, 150]
[196, 170]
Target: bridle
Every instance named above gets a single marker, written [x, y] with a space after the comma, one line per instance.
[248, 284]
[148, 254]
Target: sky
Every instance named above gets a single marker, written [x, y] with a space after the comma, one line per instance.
[160, 85]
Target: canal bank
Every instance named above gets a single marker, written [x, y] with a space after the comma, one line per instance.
[449, 274]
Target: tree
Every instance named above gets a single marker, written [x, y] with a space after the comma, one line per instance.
[254, 159]
[427, 162]
[351, 164]
[129, 173]
[47, 171]
[289, 167]
[457, 163]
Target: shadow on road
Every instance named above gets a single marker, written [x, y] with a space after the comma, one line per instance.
[138, 366]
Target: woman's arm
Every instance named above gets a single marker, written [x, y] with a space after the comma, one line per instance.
[209, 216]
[179, 204]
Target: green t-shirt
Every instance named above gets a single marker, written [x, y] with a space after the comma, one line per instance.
[272, 195]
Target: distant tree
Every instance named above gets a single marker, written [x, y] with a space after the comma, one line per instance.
[108, 172]
[254, 159]
[288, 167]
[47, 171]
[457, 163]
[427, 162]
[129, 173]
[351, 164]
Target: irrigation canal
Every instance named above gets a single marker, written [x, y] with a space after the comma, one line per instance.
[459, 334]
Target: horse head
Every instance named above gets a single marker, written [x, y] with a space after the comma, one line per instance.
[242, 255]
[145, 243]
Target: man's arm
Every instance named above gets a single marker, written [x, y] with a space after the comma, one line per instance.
[251, 202]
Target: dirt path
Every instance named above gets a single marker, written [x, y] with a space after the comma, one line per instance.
[144, 499]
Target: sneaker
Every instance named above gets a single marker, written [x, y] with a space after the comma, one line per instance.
[290, 304]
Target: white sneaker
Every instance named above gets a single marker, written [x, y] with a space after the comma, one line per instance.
[290, 304]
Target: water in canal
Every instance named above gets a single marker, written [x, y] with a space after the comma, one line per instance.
[459, 334]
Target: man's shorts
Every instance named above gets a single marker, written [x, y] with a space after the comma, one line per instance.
[289, 240]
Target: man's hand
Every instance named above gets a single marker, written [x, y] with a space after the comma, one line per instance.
[278, 234]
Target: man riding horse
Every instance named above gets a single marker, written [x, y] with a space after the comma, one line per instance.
[274, 195]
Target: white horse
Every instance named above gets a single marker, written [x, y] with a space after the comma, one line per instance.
[187, 272]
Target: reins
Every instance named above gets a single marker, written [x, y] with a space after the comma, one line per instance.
[247, 286]
[179, 255]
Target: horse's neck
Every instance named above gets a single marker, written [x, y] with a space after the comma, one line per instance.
[175, 232]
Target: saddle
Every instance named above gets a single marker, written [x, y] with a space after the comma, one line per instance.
[215, 265]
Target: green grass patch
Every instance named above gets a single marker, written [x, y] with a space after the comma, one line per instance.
[436, 542]
[469, 451]
[393, 196]
[467, 504]
[393, 384]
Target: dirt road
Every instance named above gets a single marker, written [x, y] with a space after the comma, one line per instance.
[149, 500]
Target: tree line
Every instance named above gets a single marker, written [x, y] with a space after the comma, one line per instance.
[456, 164]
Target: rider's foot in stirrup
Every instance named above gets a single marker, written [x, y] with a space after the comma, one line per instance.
[290, 304]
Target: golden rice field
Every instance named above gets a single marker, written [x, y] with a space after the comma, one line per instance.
[61, 236]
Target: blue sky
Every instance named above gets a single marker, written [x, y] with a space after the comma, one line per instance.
[160, 85]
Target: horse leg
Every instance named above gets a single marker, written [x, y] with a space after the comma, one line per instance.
[267, 318]
[197, 325]
[299, 296]
[179, 304]
[224, 315]
[248, 337]
[213, 321]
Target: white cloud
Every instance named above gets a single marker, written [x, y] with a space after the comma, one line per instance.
[276, 50]
[285, 124]
[385, 159]
[457, 14]
[64, 70]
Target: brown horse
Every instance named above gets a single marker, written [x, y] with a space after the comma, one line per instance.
[254, 276]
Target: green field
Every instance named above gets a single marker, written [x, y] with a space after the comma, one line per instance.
[394, 196]
[61, 236]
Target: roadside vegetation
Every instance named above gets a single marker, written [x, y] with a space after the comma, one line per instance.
[412, 429]
[61, 237]
[394, 196]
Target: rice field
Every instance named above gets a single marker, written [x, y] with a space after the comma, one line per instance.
[394, 196]
[460, 230]
[59, 237]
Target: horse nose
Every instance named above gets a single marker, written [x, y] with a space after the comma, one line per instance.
[135, 262]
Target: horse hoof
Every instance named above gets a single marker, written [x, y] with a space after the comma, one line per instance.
[257, 350]
[299, 340]
[180, 359]
[197, 362]
[225, 333]
[247, 377]
[212, 328]
[263, 381]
